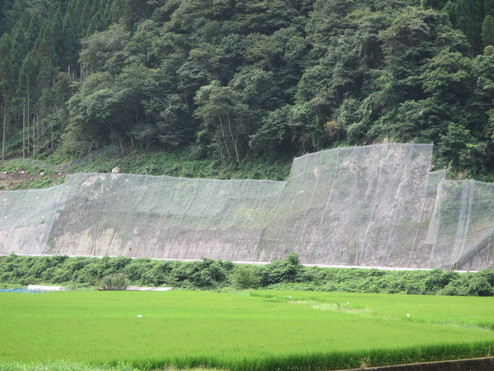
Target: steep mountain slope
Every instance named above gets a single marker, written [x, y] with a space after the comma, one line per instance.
[239, 80]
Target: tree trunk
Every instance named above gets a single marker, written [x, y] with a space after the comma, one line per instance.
[51, 135]
[35, 125]
[37, 130]
[23, 128]
[28, 118]
[224, 137]
[4, 130]
[233, 138]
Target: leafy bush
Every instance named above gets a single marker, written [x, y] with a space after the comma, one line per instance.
[159, 274]
[114, 282]
[437, 280]
[136, 268]
[244, 277]
[479, 286]
[209, 274]
[278, 271]
[469, 284]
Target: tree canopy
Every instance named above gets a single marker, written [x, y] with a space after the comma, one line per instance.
[238, 79]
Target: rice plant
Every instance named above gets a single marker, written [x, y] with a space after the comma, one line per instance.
[260, 330]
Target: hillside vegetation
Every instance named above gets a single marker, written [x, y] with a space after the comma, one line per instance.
[232, 81]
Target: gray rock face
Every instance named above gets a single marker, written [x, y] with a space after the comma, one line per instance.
[362, 206]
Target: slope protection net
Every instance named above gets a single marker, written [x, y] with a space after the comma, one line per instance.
[163, 217]
[353, 206]
[26, 218]
[362, 206]
[461, 231]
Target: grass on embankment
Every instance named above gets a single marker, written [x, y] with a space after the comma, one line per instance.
[30, 173]
[265, 330]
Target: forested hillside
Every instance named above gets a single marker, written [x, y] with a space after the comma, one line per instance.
[243, 79]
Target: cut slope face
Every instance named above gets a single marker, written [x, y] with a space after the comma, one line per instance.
[361, 206]
[163, 217]
[26, 218]
[352, 206]
[461, 231]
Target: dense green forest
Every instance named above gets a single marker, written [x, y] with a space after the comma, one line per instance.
[238, 80]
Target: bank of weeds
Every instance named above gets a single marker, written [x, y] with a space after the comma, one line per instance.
[209, 274]
[178, 163]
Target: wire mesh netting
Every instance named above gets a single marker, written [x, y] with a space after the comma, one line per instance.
[362, 206]
[163, 217]
[351, 206]
[461, 231]
[26, 218]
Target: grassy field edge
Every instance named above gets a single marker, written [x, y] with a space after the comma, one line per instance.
[308, 361]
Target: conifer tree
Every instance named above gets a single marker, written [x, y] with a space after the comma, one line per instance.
[70, 43]
[6, 86]
[469, 19]
[2, 16]
[488, 30]
[56, 37]
[469, 16]
[18, 49]
[34, 29]
[133, 11]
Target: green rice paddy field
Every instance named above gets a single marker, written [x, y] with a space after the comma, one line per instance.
[257, 330]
